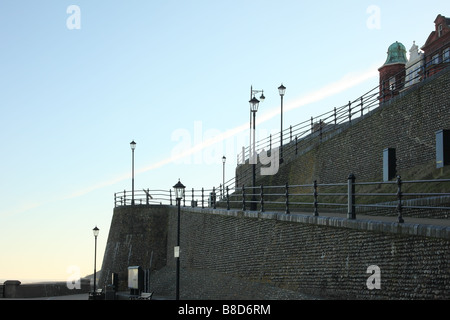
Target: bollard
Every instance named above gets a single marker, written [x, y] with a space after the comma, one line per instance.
[203, 200]
[316, 211]
[287, 198]
[351, 214]
[243, 198]
[262, 198]
[399, 199]
[228, 199]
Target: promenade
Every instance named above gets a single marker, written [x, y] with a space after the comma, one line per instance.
[82, 296]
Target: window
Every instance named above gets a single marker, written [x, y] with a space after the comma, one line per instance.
[435, 59]
[392, 83]
[440, 30]
[446, 55]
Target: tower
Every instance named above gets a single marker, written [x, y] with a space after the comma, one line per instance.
[414, 66]
[392, 73]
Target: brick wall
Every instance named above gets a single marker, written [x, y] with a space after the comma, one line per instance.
[316, 255]
[137, 235]
[319, 256]
[408, 123]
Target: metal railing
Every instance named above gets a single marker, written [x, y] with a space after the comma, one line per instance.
[141, 197]
[348, 198]
[369, 198]
[200, 197]
[311, 131]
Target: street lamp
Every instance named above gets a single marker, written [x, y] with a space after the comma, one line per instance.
[133, 146]
[261, 98]
[96, 231]
[281, 91]
[254, 104]
[179, 194]
[224, 159]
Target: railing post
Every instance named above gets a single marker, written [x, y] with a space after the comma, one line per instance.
[270, 142]
[115, 200]
[213, 200]
[349, 111]
[316, 203]
[262, 198]
[228, 199]
[399, 198]
[296, 145]
[320, 130]
[243, 198]
[170, 195]
[312, 125]
[287, 198]
[203, 199]
[351, 197]
[290, 133]
[124, 197]
[192, 201]
[362, 106]
[147, 196]
[335, 116]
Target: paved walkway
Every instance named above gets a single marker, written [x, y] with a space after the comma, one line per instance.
[424, 221]
[82, 296]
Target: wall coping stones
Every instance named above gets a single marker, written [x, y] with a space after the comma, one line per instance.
[415, 229]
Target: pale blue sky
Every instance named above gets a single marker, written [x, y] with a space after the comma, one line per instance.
[71, 101]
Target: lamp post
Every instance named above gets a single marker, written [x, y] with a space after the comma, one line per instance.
[254, 104]
[179, 194]
[224, 159]
[281, 91]
[96, 231]
[133, 146]
[261, 98]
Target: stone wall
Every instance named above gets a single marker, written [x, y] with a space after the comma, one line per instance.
[314, 255]
[408, 123]
[317, 256]
[137, 237]
[14, 289]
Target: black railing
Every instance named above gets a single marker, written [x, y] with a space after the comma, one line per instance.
[348, 198]
[141, 197]
[310, 131]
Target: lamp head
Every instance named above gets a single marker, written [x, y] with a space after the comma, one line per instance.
[262, 98]
[281, 90]
[96, 231]
[179, 190]
[254, 104]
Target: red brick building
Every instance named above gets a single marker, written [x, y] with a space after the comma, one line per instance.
[437, 47]
[392, 73]
[436, 56]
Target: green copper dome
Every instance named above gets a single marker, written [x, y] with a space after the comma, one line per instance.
[396, 54]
